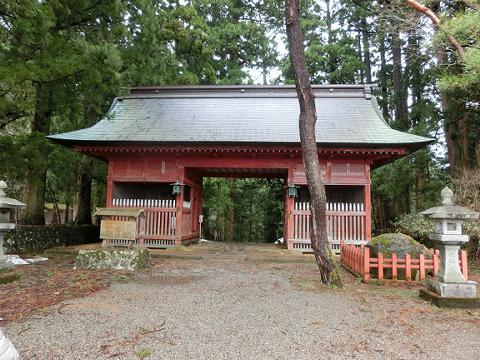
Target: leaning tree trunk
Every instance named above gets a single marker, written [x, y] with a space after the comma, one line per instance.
[307, 121]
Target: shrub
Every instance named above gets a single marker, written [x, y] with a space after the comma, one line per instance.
[415, 226]
[33, 238]
[418, 227]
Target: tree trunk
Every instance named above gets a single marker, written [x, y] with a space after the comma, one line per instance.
[331, 59]
[401, 120]
[36, 174]
[414, 78]
[229, 215]
[307, 119]
[84, 191]
[383, 79]
[366, 51]
[463, 129]
[67, 212]
[34, 197]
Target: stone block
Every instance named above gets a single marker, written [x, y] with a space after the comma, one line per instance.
[446, 302]
[454, 290]
[119, 259]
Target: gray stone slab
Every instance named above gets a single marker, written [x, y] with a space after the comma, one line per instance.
[446, 302]
[454, 290]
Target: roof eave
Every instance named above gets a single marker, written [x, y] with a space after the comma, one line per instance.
[411, 146]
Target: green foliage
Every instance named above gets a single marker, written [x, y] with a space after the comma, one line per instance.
[218, 205]
[415, 226]
[331, 50]
[34, 238]
[143, 353]
[60, 64]
[409, 185]
[465, 27]
[239, 37]
[258, 210]
[166, 44]
[419, 227]
[244, 210]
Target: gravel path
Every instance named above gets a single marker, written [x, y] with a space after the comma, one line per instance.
[227, 307]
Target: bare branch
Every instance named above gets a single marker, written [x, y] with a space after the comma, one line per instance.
[436, 21]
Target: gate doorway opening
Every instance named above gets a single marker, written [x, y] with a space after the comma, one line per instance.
[243, 209]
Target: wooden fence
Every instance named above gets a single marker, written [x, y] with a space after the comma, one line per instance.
[159, 225]
[345, 222]
[358, 260]
[151, 203]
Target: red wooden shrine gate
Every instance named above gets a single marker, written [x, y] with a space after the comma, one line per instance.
[157, 136]
[143, 177]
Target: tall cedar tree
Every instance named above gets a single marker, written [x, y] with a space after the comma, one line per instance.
[307, 120]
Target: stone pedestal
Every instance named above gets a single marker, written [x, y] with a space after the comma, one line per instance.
[3, 259]
[454, 290]
[450, 267]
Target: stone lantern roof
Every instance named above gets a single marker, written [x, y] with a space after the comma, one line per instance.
[449, 210]
[8, 203]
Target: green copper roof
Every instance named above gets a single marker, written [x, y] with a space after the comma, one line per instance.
[347, 115]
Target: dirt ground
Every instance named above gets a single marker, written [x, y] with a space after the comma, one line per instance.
[224, 301]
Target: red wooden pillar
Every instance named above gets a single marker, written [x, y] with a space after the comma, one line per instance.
[179, 205]
[289, 206]
[199, 208]
[109, 195]
[290, 226]
[368, 205]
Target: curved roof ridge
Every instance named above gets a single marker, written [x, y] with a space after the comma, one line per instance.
[336, 90]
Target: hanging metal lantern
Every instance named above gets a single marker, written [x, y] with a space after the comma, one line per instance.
[292, 190]
[176, 188]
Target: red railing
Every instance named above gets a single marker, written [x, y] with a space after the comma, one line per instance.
[358, 260]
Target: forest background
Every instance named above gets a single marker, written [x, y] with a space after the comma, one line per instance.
[63, 62]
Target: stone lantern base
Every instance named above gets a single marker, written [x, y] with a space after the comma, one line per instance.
[454, 290]
[4, 264]
[449, 302]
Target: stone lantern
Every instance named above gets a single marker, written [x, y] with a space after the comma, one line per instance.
[7, 205]
[450, 282]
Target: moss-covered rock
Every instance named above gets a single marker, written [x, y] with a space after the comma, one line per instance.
[120, 259]
[398, 243]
